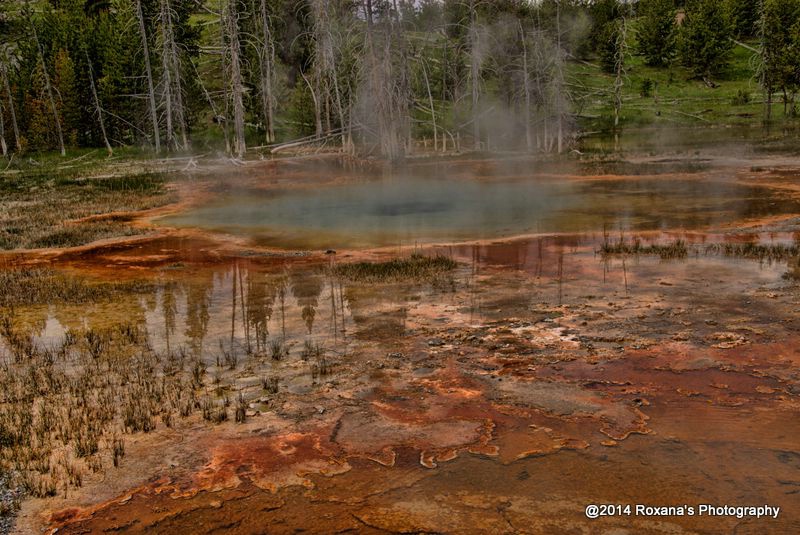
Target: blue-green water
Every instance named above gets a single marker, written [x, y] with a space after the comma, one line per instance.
[405, 210]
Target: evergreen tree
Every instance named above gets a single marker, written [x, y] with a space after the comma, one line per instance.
[604, 31]
[656, 31]
[780, 38]
[743, 15]
[705, 37]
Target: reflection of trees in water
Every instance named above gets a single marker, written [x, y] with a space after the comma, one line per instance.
[32, 322]
[793, 273]
[99, 315]
[169, 307]
[197, 302]
[261, 293]
[306, 288]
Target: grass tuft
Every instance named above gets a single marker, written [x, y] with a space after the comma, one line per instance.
[676, 249]
[415, 267]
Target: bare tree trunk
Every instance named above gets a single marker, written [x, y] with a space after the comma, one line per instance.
[49, 88]
[173, 87]
[317, 106]
[475, 76]
[619, 79]
[340, 110]
[765, 79]
[97, 106]
[266, 56]
[316, 96]
[433, 109]
[324, 64]
[223, 24]
[526, 86]
[167, 79]
[237, 87]
[444, 88]
[149, 72]
[386, 88]
[559, 78]
[175, 64]
[619, 71]
[3, 146]
[11, 109]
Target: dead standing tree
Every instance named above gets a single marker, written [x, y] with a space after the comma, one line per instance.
[387, 81]
[541, 89]
[171, 82]
[475, 60]
[527, 88]
[8, 61]
[266, 57]
[97, 107]
[232, 71]
[558, 80]
[329, 46]
[151, 94]
[3, 145]
[620, 56]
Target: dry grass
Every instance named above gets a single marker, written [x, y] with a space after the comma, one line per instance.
[415, 267]
[756, 251]
[679, 249]
[676, 249]
[42, 286]
[64, 410]
[40, 210]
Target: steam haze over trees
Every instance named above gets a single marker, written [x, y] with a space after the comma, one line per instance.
[380, 77]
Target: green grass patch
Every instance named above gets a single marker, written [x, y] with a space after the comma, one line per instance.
[672, 96]
[417, 267]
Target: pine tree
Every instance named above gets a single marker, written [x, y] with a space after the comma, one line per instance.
[705, 37]
[780, 50]
[69, 108]
[744, 16]
[656, 31]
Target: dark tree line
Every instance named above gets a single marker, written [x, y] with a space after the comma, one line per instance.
[366, 75]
